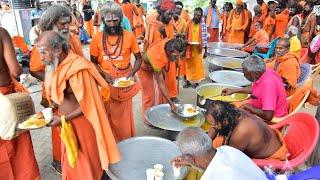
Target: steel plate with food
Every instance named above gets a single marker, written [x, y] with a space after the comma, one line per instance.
[36, 121]
[187, 110]
[123, 82]
[162, 117]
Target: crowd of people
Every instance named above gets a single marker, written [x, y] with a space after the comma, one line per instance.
[166, 45]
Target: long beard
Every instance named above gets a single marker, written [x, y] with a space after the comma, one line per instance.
[63, 32]
[116, 30]
[49, 71]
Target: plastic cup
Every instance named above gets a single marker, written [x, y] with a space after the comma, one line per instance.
[176, 171]
[158, 167]
[150, 174]
[47, 114]
[158, 175]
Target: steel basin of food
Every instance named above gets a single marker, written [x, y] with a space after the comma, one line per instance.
[224, 63]
[215, 89]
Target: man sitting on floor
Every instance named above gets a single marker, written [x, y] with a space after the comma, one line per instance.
[224, 162]
[268, 97]
[244, 131]
[260, 38]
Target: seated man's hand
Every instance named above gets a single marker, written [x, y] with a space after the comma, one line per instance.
[184, 160]
[227, 92]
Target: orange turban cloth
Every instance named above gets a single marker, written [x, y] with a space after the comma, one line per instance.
[167, 5]
[239, 2]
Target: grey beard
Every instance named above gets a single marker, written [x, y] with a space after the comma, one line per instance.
[49, 71]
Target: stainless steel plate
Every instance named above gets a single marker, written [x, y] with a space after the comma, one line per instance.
[182, 110]
[226, 62]
[224, 45]
[229, 77]
[141, 153]
[162, 117]
[225, 52]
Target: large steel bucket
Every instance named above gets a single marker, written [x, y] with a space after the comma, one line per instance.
[226, 52]
[224, 45]
[216, 63]
[229, 77]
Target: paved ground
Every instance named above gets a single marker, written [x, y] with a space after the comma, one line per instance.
[42, 137]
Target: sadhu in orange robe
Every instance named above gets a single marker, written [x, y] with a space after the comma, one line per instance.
[224, 31]
[282, 20]
[214, 32]
[194, 64]
[180, 27]
[119, 106]
[155, 60]
[36, 65]
[138, 22]
[96, 145]
[237, 23]
[149, 88]
[17, 159]
[128, 10]
[254, 20]
[288, 67]
[269, 26]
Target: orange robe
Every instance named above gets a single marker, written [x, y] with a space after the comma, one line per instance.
[128, 10]
[224, 31]
[153, 35]
[214, 32]
[236, 26]
[74, 25]
[269, 26]
[157, 58]
[138, 22]
[262, 39]
[180, 26]
[185, 15]
[37, 65]
[121, 121]
[264, 10]
[288, 67]
[88, 25]
[282, 20]
[194, 64]
[252, 27]
[97, 146]
[19, 42]
[17, 159]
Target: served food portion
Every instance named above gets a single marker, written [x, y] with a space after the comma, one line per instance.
[34, 122]
[123, 82]
[187, 110]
